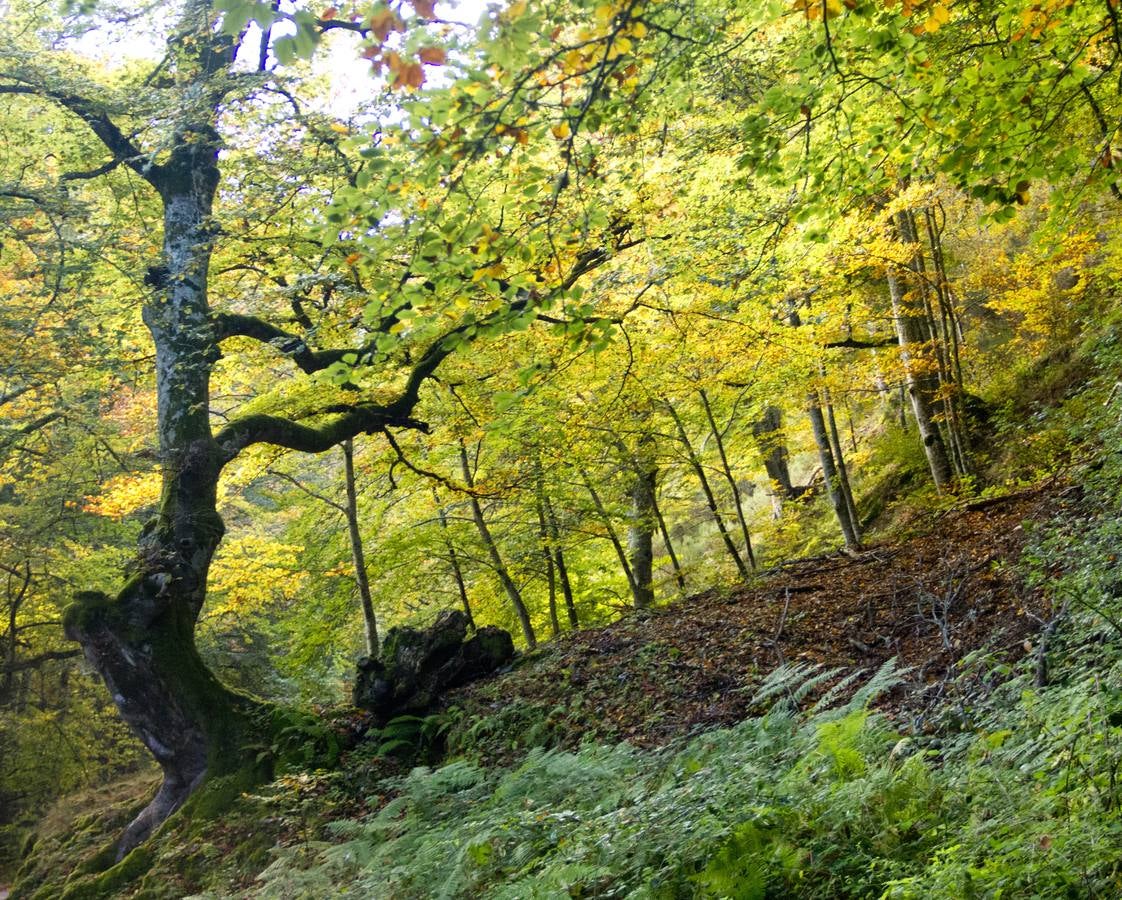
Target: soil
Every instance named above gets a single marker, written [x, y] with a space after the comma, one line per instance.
[930, 601]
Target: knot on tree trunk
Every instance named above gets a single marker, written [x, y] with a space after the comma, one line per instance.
[416, 665]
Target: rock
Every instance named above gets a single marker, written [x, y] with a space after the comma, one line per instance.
[416, 665]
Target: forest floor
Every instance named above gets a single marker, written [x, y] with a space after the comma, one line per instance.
[929, 600]
[933, 600]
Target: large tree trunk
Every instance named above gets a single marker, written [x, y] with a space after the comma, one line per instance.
[641, 523]
[142, 642]
[768, 432]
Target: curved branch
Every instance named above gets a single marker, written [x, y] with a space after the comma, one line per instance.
[103, 127]
[282, 432]
[11, 668]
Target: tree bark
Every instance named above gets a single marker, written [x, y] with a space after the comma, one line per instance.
[358, 554]
[511, 589]
[641, 523]
[768, 433]
[922, 385]
[142, 641]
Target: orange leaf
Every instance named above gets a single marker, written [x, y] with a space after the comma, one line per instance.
[328, 14]
[426, 9]
[432, 56]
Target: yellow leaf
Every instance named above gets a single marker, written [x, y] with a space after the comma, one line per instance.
[339, 128]
[561, 131]
[605, 13]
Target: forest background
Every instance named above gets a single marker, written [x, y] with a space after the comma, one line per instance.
[572, 309]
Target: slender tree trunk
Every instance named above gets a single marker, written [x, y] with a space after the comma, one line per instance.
[849, 529]
[922, 386]
[641, 524]
[768, 433]
[543, 542]
[621, 554]
[948, 327]
[453, 559]
[839, 458]
[358, 555]
[710, 498]
[727, 470]
[16, 596]
[679, 575]
[501, 570]
[559, 561]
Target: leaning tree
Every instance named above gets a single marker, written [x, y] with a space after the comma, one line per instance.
[431, 253]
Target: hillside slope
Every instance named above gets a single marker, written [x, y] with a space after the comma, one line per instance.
[652, 679]
[928, 600]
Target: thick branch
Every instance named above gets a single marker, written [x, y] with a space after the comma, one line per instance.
[34, 662]
[103, 169]
[281, 432]
[228, 325]
[101, 125]
[854, 344]
[30, 428]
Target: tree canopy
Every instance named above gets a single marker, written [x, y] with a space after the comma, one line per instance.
[321, 319]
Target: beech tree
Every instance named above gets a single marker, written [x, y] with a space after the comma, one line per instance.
[165, 129]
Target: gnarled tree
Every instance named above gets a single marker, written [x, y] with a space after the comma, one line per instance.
[167, 131]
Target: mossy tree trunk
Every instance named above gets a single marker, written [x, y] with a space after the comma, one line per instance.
[770, 440]
[142, 641]
[641, 522]
[920, 376]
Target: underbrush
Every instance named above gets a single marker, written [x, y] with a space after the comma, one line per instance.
[827, 802]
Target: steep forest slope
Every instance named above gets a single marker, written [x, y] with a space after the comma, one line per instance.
[764, 748]
[755, 366]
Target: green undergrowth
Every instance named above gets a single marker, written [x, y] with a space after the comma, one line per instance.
[825, 802]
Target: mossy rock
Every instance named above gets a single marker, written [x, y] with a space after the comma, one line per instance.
[417, 665]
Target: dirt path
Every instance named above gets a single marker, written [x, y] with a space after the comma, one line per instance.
[928, 600]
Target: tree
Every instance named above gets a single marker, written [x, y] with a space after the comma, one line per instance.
[165, 129]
